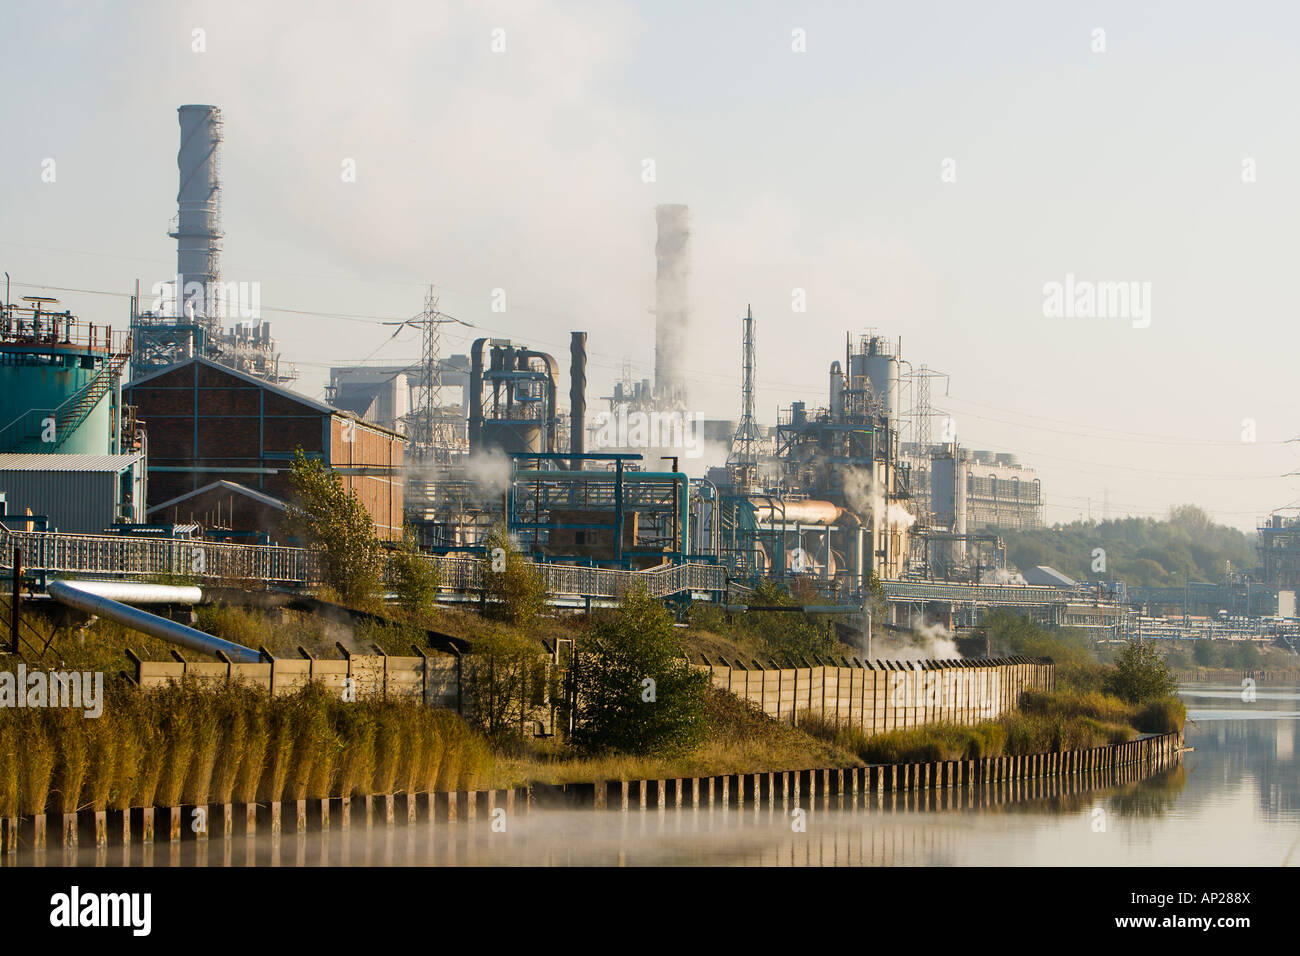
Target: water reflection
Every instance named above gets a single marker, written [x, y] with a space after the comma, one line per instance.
[1234, 800]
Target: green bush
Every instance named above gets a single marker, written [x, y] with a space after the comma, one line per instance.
[515, 592]
[1164, 715]
[635, 691]
[415, 579]
[1140, 674]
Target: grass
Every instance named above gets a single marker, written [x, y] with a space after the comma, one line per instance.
[257, 742]
[357, 758]
[209, 731]
[740, 738]
[73, 755]
[9, 765]
[184, 743]
[102, 775]
[1047, 722]
[233, 720]
[178, 735]
[38, 755]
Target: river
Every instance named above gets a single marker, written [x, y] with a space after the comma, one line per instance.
[1234, 800]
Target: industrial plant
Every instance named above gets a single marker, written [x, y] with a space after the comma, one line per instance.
[183, 425]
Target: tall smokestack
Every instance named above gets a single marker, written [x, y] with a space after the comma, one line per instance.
[672, 300]
[198, 220]
[577, 398]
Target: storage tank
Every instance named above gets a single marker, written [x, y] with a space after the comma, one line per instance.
[58, 382]
[875, 363]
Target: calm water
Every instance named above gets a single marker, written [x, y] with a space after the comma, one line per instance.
[1234, 800]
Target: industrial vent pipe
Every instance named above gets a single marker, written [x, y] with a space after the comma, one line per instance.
[577, 398]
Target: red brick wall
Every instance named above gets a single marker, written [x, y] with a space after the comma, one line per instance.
[242, 431]
[370, 461]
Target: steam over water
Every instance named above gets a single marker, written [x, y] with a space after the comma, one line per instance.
[1235, 800]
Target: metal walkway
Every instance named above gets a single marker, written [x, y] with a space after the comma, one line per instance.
[52, 553]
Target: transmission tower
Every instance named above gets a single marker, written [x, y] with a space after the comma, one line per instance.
[922, 410]
[742, 461]
[432, 434]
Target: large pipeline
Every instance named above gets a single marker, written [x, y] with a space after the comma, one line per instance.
[85, 596]
[130, 592]
[802, 511]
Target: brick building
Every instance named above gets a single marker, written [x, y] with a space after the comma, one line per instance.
[218, 435]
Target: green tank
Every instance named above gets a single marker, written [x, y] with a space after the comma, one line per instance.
[59, 382]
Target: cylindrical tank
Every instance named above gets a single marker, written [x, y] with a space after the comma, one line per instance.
[804, 511]
[837, 391]
[513, 436]
[53, 397]
[881, 370]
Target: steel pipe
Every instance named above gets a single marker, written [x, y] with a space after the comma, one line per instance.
[130, 592]
[74, 594]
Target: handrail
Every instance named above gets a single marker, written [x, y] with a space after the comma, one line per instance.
[54, 552]
[61, 413]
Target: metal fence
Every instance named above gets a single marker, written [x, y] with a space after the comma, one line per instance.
[123, 556]
[991, 594]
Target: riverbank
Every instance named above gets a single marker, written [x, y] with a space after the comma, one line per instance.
[953, 784]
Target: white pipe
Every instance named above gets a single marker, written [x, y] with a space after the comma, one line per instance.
[131, 592]
[75, 594]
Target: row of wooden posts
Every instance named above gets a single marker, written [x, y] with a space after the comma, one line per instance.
[796, 788]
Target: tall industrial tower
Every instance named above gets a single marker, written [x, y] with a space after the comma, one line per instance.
[672, 302]
[742, 462]
[197, 226]
[166, 329]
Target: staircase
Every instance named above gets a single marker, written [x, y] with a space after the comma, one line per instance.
[68, 416]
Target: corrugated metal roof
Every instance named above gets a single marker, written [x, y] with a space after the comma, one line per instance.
[65, 463]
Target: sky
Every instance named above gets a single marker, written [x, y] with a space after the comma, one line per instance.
[924, 169]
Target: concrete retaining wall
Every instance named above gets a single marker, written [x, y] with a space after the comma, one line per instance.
[879, 696]
[433, 677]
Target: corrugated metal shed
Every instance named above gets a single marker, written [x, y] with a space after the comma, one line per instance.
[78, 493]
[54, 462]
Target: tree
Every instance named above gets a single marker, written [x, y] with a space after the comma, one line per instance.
[1140, 674]
[788, 633]
[635, 691]
[1244, 656]
[415, 578]
[514, 587]
[507, 675]
[1203, 653]
[330, 518]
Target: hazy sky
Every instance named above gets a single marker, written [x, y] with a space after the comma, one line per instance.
[820, 170]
